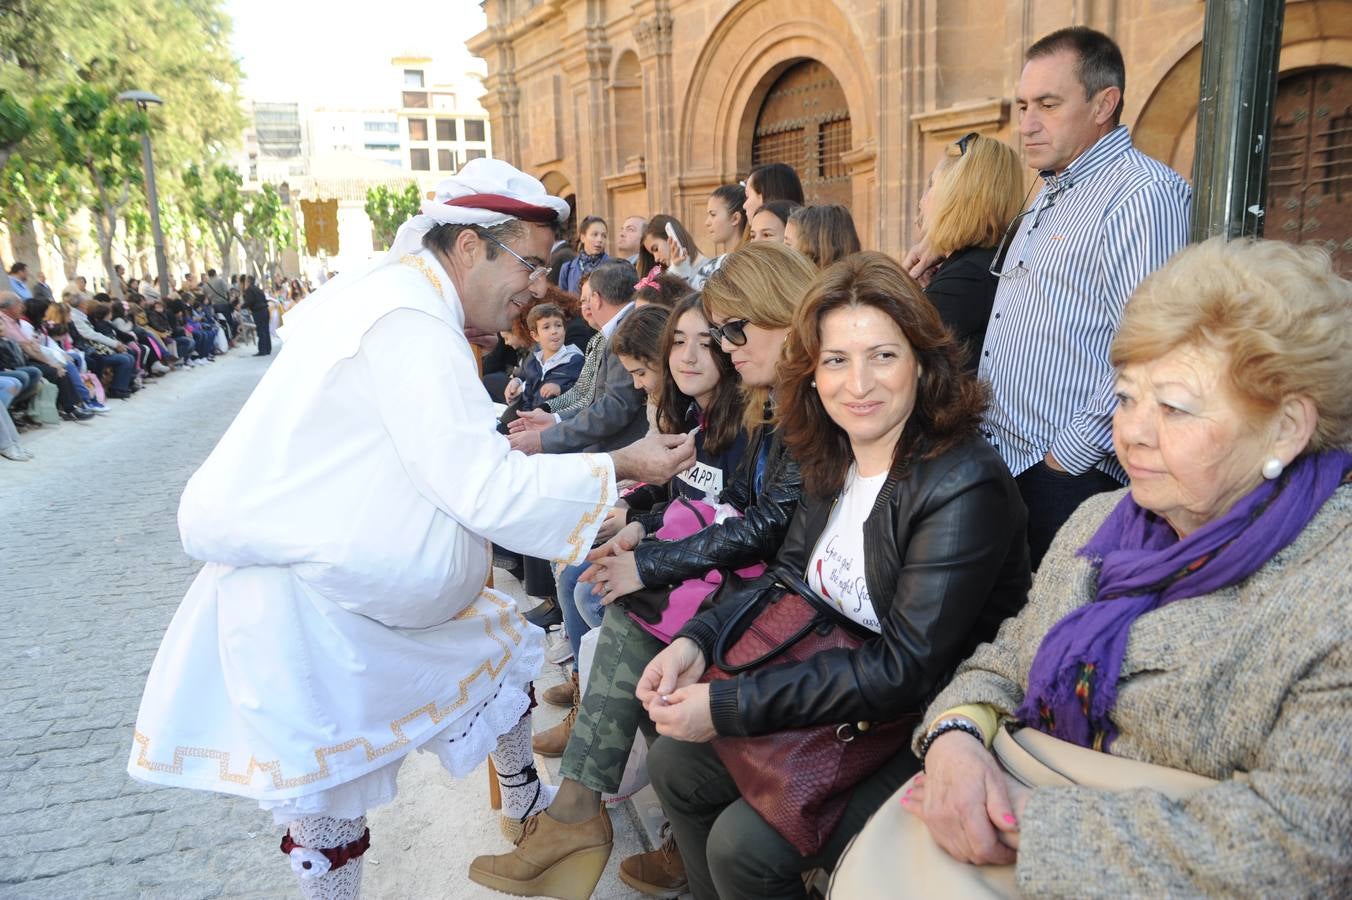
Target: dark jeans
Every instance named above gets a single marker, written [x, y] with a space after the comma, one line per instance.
[66, 398]
[121, 365]
[539, 580]
[730, 852]
[1051, 497]
[261, 324]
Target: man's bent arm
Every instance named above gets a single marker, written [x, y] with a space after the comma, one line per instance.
[442, 425]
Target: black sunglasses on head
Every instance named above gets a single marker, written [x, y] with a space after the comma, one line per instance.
[965, 141]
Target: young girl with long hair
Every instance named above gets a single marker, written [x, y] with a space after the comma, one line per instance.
[591, 252]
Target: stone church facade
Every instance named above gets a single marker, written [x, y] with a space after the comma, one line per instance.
[643, 106]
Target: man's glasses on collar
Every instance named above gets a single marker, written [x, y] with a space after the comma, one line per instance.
[733, 331]
[1020, 269]
[536, 272]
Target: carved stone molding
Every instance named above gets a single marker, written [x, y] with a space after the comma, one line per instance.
[860, 160]
[976, 115]
[634, 176]
[653, 34]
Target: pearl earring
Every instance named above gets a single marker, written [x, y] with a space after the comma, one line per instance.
[1272, 468]
[814, 382]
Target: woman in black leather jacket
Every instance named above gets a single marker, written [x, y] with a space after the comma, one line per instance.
[910, 524]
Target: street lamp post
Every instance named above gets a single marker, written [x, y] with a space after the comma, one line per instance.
[143, 99]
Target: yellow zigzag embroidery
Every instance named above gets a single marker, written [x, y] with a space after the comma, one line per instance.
[601, 474]
[421, 265]
[507, 612]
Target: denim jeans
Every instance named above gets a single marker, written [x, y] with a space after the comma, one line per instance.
[122, 366]
[28, 378]
[9, 389]
[80, 390]
[582, 611]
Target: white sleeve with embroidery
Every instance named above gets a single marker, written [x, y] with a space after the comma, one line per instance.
[443, 426]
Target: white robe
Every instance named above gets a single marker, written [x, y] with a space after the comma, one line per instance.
[345, 518]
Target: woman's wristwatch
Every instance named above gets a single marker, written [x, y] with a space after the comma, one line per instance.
[944, 726]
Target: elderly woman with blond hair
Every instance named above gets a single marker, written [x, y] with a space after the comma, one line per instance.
[1198, 622]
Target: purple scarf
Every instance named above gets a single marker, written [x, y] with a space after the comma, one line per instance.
[1072, 685]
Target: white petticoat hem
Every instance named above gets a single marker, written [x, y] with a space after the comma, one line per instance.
[462, 747]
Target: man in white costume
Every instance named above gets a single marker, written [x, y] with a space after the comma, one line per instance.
[346, 520]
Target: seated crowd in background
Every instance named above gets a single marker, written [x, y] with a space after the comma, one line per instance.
[64, 358]
[1088, 496]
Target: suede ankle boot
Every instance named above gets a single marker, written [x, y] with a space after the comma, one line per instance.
[551, 859]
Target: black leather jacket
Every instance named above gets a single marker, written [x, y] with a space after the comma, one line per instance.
[945, 561]
[736, 542]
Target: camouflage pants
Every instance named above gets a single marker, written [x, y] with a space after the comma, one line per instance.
[610, 714]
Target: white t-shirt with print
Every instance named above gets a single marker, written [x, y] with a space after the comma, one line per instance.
[836, 568]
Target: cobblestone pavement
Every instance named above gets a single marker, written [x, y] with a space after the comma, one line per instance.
[88, 583]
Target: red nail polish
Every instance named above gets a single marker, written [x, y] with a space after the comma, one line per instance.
[906, 799]
[1009, 818]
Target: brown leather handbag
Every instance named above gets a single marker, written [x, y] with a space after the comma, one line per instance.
[798, 779]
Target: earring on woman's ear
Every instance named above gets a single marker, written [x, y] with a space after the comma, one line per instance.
[1272, 468]
[814, 382]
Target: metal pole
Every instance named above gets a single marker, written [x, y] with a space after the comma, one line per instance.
[152, 197]
[1241, 43]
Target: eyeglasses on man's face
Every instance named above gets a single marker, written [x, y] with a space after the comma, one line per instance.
[733, 331]
[536, 272]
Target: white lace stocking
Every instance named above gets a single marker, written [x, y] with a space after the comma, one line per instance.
[325, 833]
[518, 782]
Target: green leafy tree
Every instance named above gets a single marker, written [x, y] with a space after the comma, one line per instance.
[15, 123]
[268, 229]
[57, 192]
[388, 208]
[100, 136]
[216, 199]
[177, 49]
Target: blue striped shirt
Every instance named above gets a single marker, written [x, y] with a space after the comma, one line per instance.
[1095, 231]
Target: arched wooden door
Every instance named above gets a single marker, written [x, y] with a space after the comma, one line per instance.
[1310, 168]
[805, 122]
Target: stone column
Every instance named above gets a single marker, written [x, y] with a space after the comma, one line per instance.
[653, 34]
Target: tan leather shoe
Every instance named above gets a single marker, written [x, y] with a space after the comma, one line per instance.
[552, 742]
[563, 694]
[551, 859]
[657, 873]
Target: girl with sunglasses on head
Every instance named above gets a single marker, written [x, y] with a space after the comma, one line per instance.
[974, 193]
[748, 306]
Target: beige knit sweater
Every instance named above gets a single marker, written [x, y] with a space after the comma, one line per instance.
[1256, 679]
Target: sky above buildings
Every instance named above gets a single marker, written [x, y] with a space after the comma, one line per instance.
[332, 54]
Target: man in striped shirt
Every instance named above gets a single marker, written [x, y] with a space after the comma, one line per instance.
[1105, 217]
